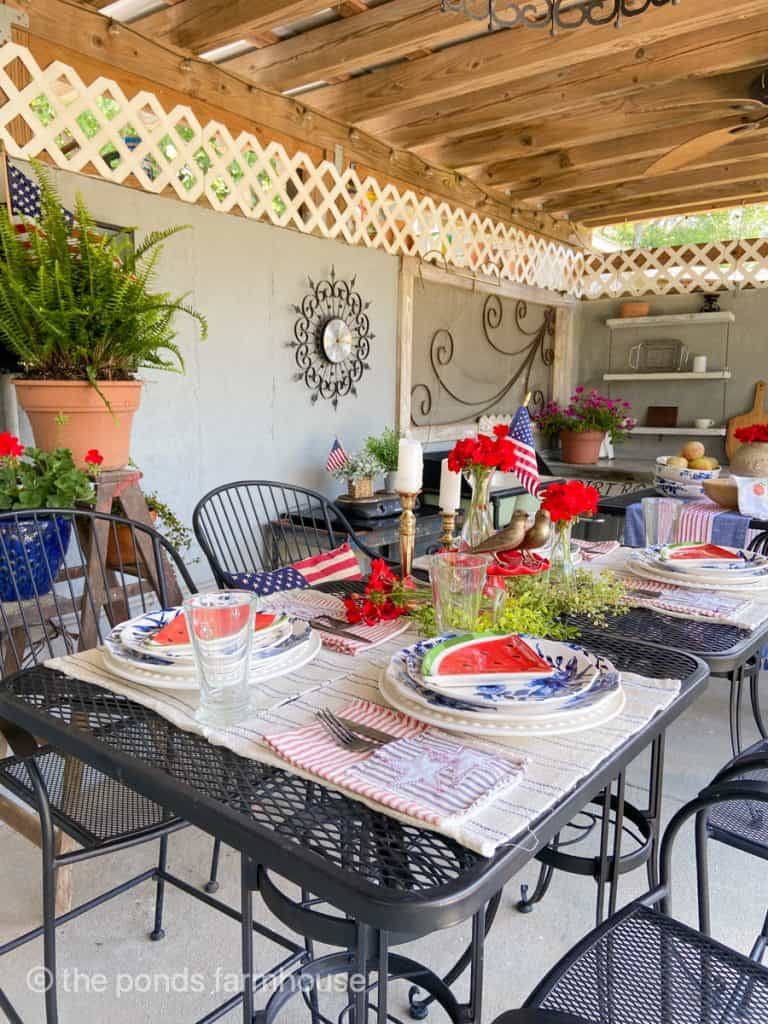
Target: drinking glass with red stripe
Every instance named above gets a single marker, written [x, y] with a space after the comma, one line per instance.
[221, 627]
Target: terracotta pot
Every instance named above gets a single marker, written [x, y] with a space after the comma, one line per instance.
[360, 488]
[122, 552]
[581, 449]
[632, 309]
[87, 422]
[750, 459]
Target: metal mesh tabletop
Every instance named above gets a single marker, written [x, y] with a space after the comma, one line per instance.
[646, 967]
[723, 647]
[364, 862]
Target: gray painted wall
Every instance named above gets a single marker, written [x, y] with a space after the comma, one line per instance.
[237, 413]
[747, 360]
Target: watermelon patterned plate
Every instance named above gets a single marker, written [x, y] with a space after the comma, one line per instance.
[162, 664]
[568, 671]
[304, 646]
[137, 635]
[604, 701]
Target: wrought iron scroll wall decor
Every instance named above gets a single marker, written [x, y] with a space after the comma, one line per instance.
[442, 350]
[332, 339]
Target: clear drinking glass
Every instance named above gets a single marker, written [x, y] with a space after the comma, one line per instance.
[661, 517]
[457, 589]
[221, 627]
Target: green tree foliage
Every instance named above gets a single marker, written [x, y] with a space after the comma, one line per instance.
[717, 226]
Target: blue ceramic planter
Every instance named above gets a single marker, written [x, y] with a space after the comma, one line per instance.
[32, 550]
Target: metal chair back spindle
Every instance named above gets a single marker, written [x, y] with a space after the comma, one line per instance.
[260, 525]
[64, 586]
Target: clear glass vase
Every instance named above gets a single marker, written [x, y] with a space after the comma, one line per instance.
[478, 525]
[561, 567]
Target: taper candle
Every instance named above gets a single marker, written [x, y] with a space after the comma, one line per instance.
[450, 488]
[410, 467]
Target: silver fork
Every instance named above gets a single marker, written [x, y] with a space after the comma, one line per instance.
[343, 735]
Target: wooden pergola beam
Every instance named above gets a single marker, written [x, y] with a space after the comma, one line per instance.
[200, 25]
[486, 63]
[643, 206]
[692, 56]
[656, 212]
[377, 35]
[722, 170]
[126, 53]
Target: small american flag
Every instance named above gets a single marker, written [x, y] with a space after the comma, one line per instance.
[337, 457]
[521, 435]
[24, 201]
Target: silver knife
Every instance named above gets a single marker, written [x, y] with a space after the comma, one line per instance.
[367, 730]
[316, 624]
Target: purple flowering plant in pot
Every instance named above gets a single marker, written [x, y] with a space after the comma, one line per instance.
[583, 423]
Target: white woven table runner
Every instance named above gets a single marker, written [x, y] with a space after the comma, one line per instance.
[557, 763]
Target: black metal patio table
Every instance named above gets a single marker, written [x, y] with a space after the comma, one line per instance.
[730, 652]
[394, 882]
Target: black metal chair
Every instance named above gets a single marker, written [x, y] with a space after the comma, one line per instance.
[61, 589]
[742, 825]
[260, 525]
[643, 965]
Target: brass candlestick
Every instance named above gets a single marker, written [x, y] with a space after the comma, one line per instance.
[407, 532]
[449, 524]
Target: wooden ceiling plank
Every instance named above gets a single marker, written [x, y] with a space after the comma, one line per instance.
[200, 25]
[733, 192]
[69, 25]
[708, 53]
[497, 59]
[696, 176]
[490, 161]
[607, 163]
[380, 34]
[656, 212]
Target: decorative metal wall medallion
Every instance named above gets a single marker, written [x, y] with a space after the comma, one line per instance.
[442, 349]
[332, 339]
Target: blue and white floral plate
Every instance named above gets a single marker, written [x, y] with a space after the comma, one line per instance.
[267, 659]
[600, 701]
[298, 650]
[640, 564]
[136, 635]
[572, 672]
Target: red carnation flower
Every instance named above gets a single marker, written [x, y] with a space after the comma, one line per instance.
[752, 435]
[94, 457]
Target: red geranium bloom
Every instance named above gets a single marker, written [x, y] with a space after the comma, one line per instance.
[752, 435]
[10, 446]
[94, 457]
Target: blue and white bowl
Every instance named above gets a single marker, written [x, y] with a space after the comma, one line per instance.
[675, 482]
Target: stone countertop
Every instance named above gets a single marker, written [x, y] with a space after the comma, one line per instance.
[606, 469]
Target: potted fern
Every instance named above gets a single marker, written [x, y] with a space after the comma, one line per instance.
[82, 317]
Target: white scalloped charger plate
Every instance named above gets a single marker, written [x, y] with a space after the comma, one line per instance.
[283, 665]
[744, 587]
[454, 721]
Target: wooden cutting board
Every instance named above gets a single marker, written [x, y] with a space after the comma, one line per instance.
[757, 414]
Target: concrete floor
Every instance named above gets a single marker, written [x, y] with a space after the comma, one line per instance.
[112, 973]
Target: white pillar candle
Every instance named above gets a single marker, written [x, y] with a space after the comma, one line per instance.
[450, 488]
[410, 466]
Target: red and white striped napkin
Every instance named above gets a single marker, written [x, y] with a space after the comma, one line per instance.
[696, 522]
[307, 604]
[683, 602]
[423, 773]
[596, 549]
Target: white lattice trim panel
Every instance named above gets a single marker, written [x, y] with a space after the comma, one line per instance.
[677, 270]
[97, 129]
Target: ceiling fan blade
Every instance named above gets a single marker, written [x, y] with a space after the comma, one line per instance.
[699, 147]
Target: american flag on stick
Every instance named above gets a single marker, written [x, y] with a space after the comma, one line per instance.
[337, 457]
[23, 196]
[521, 435]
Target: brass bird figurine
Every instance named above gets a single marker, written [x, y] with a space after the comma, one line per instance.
[539, 533]
[507, 539]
